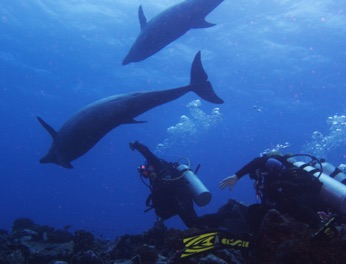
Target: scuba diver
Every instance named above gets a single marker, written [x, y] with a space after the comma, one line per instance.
[174, 187]
[303, 190]
[281, 185]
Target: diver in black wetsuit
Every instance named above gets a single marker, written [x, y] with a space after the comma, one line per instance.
[167, 197]
[282, 186]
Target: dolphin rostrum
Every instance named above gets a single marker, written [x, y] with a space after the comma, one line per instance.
[83, 130]
[169, 25]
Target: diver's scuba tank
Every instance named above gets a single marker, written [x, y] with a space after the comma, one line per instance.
[333, 172]
[199, 192]
[332, 191]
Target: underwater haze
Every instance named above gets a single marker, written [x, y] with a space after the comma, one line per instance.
[279, 65]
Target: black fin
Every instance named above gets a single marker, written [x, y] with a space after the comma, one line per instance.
[198, 73]
[199, 82]
[49, 158]
[50, 130]
[133, 121]
[203, 24]
[65, 164]
[141, 17]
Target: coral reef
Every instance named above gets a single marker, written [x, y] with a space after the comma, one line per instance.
[280, 239]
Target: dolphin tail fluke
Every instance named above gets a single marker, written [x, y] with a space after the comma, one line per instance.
[51, 157]
[50, 130]
[199, 82]
[205, 91]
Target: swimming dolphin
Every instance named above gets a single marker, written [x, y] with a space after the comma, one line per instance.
[168, 26]
[83, 130]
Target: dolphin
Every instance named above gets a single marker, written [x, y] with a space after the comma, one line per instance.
[168, 26]
[84, 129]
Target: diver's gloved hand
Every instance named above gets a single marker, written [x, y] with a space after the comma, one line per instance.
[229, 182]
[133, 145]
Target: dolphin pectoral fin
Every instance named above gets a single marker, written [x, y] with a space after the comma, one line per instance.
[50, 130]
[141, 17]
[203, 24]
[46, 159]
[199, 82]
[133, 121]
[65, 164]
[49, 158]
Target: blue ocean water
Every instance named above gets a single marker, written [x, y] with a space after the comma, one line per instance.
[278, 64]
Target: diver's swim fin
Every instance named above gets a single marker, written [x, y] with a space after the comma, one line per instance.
[214, 239]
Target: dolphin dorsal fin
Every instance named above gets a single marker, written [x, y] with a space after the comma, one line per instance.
[50, 130]
[141, 17]
[197, 74]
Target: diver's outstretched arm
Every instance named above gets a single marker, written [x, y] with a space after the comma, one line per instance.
[147, 154]
[229, 181]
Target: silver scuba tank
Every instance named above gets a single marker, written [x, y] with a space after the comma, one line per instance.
[200, 194]
[332, 191]
[333, 172]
